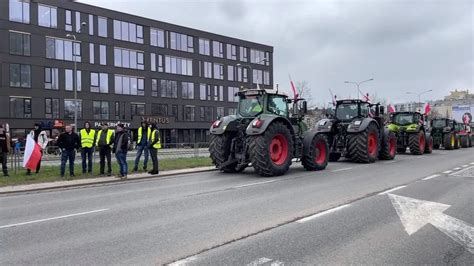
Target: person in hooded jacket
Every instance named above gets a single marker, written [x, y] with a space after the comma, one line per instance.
[4, 148]
[120, 149]
[41, 138]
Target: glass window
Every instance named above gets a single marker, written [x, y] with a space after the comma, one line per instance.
[181, 42]
[204, 47]
[188, 112]
[20, 75]
[244, 54]
[51, 108]
[19, 43]
[124, 34]
[95, 82]
[126, 58]
[68, 20]
[133, 59]
[100, 110]
[129, 85]
[232, 94]
[230, 73]
[138, 109]
[231, 52]
[20, 11]
[59, 49]
[117, 30]
[103, 54]
[187, 90]
[78, 21]
[50, 47]
[51, 78]
[157, 37]
[220, 112]
[91, 24]
[218, 71]
[47, 16]
[132, 32]
[140, 61]
[217, 49]
[102, 23]
[266, 77]
[159, 109]
[69, 109]
[67, 50]
[91, 53]
[104, 83]
[154, 88]
[169, 88]
[20, 107]
[68, 80]
[152, 62]
[278, 105]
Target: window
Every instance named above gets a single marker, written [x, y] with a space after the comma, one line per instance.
[20, 107]
[152, 62]
[20, 11]
[204, 47]
[218, 71]
[244, 57]
[68, 80]
[178, 65]
[20, 76]
[63, 49]
[102, 23]
[91, 24]
[220, 112]
[68, 20]
[69, 109]
[181, 42]
[266, 77]
[231, 111]
[169, 88]
[206, 69]
[206, 113]
[19, 43]
[100, 110]
[231, 52]
[230, 73]
[51, 78]
[128, 58]
[257, 57]
[99, 82]
[242, 74]
[154, 88]
[117, 110]
[157, 37]
[159, 109]
[91, 53]
[103, 54]
[218, 93]
[129, 85]
[204, 92]
[174, 112]
[188, 113]
[129, 32]
[217, 49]
[51, 108]
[47, 16]
[78, 21]
[232, 94]
[187, 90]
[277, 105]
[257, 76]
[138, 109]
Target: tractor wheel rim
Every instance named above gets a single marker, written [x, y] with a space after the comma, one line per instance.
[279, 149]
[452, 140]
[372, 144]
[392, 146]
[321, 152]
[422, 142]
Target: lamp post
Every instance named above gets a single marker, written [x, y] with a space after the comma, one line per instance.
[251, 70]
[358, 84]
[419, 95]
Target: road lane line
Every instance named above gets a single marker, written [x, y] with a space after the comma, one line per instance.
[390, 190]
[462, 171]
[393, 161]
[53, 218]
[430, 177]
[306, 219]
[259, 261]
[255, 184]
[457, 168]
[342, 169]
[183, 261]
[472, 163]
[447, 172]
[466, 165]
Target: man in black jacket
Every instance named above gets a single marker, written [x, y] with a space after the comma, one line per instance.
[4, 148]
[120, 149]
[68, 142]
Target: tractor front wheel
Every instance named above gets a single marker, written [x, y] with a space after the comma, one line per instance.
[363, 147]
[449, 141]
[389, 147]
[317, 158]
[417, 143]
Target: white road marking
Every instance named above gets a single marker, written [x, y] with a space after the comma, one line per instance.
[463, 170]
[52, 218]
[393, 161]
[430, 177]
[306, 219]
[342, 169]
[447, 172]
[457, 168]
[390, 190]
[259, 261]
[183, 262]
[472, 163]
[414, 214]
[254, 184]
[466, 165]
[277, 263]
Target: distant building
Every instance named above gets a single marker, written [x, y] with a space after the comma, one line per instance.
[459, 95]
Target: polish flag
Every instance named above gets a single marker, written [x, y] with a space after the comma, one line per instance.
[427, 108]
[32, 153]
[391, 109]
[293, 88]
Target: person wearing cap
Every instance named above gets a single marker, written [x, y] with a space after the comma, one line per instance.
[87, 135]
[120, 149]
[41, 138]
[4, 148]
[104, 141]
[68, 142]
[142, 145]
[154, 144]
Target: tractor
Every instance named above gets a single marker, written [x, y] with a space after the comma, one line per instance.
[267, 135]
[411, 131]
[356, 131]
[465, 135]
[445, 133]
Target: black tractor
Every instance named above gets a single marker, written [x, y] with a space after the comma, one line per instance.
[445, 133]
[266, 135]
[356, 131]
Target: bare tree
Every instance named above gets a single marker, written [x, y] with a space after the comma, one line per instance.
[304, 91]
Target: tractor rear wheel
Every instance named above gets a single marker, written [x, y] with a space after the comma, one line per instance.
[465, 141]
[219, 149]
[429, 145]
[272, 151]
[417, 142]
[317, 159]
[334, 156]
[363, 147]
[389, 147]
[449, 141]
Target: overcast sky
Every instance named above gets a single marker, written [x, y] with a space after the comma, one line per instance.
[405, 45]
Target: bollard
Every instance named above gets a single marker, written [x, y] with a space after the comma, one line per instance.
[196, 150]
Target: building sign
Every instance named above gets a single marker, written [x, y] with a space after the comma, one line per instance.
[463, 113]
[112, 124]
[156, 119]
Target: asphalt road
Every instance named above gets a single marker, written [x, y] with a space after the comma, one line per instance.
[334, 216]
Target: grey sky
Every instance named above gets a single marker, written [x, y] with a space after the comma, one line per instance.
[405, 45]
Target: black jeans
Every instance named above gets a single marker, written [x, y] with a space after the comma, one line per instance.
[38, 166]
[67, 156]
[4, 162]
[154, 158]
[86, 155]
[105, 152]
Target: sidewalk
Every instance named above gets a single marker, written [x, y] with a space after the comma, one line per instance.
[99, 180]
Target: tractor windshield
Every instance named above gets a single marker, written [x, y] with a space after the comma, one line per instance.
[403, 119]
[347, 111]
[439, 123]
[250, 105]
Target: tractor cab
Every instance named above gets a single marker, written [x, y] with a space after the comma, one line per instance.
[406, 118]
[348, 110]
[253, 103]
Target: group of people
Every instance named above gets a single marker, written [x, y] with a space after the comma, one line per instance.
[106, 140]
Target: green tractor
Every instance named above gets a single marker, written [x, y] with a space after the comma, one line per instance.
[412, 132]
[444, 132]
[266, 135]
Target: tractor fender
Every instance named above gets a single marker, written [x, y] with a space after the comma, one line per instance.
[324, 125]
[267, 120]
[354, 128]
[308, 139]
[225, 125]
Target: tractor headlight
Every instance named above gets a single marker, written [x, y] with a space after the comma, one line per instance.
[216, 123]
[257, 123]
[357, 122]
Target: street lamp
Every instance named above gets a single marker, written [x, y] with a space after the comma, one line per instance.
[358, 84]
[251, 70]
[419, 95]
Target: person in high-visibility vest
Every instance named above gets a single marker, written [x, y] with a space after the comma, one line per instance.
[104, 141]
[87, 135]
[144, 132]
[154, 144]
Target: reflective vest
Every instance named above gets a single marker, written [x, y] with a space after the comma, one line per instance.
[257, 108]
[108, 138]
[140, 130]
[157, 145]
[87, 139]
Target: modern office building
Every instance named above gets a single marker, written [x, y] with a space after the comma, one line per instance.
[129, 68]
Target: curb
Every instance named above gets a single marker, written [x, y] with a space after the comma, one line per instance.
[115, 180]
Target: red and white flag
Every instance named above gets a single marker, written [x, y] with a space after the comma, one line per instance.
[295, 92]
[427, 108]
[391, 109]
[32, 153]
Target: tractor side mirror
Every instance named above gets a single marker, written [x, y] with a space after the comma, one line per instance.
[305, 107]
[382, 110]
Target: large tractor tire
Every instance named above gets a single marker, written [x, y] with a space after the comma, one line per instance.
[318, 154]
[465, 141]
[449, 141]
[389, 147]
[271, 152]
[429, 145]
[334, 156]
[417, 142]
[363, 147]
[457, 144]
[219, 149]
